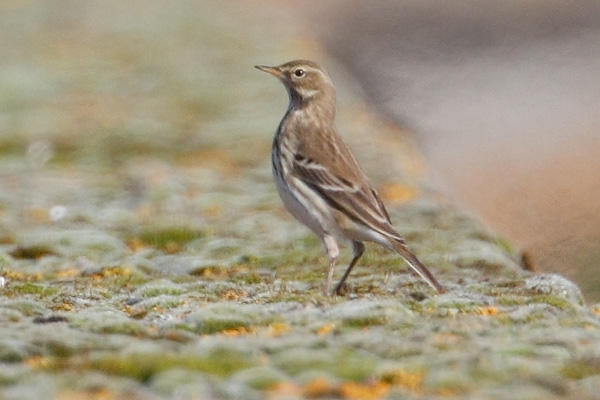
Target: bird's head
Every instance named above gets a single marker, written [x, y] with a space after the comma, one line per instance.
[305, 80]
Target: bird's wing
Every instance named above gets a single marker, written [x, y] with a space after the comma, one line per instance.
[351, 194]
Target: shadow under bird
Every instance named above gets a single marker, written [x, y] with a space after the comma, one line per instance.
[320, 181]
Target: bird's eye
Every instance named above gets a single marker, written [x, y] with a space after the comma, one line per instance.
[299, 73]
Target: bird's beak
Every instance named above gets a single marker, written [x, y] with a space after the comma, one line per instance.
[271, 70]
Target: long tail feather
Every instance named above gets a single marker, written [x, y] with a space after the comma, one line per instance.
[416, 265]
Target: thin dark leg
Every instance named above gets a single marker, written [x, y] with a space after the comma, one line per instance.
[357, 249]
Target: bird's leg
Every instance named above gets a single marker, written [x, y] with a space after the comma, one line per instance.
[326, 288]
[332, 252]
[357, 249]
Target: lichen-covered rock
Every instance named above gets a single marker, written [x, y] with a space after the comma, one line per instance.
[145, 254]
[555, 285]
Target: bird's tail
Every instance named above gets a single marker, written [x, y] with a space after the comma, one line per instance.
[416, 265]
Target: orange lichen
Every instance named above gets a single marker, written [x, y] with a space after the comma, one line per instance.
[240, 331]
[109, 272]
[412, 381]
[93, 394]
[63, 306]
[13, 275]
[234, 294]
[364, 391]
[277, 329]
[320, 387]
[284, 390]
[490, 311]
[37, 362]
[326, 329]
[67, 273]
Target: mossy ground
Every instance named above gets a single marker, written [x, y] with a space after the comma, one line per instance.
[145, 252]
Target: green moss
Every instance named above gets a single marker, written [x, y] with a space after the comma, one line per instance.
[32, 288]
[268, 262]
[221, 362]
[214, 325]
[170, 239]
[238, 273]
[210, 271]
[301, 266]
[112, 145]
[224, 251]
[112, 278]
[249, 279]
[461, 306]
[26, 307]
[365, 322]
[161, 290]
[580, 369]
[347, 364]
[309, 241]
[521, 351]
[13, 146]
[551, 300]
[510, 300]
[509, 284]
[32, 252]
[352, 366]
[131, 328]
[11, 354]
[58, 349]
[8, 379]
[249, 259]
[504, 244]
[261, 378]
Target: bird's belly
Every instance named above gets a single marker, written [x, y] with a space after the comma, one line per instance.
[299, 200]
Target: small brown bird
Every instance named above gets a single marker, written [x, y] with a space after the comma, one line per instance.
[318, 178]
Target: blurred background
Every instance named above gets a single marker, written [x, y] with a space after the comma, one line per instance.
[123, 120]
[100, 100]
[505, 100]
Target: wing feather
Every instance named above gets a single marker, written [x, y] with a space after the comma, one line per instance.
[357, 200]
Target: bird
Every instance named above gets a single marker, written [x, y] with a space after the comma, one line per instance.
[319, 179]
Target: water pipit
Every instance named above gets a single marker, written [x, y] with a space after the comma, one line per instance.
[320, 181]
